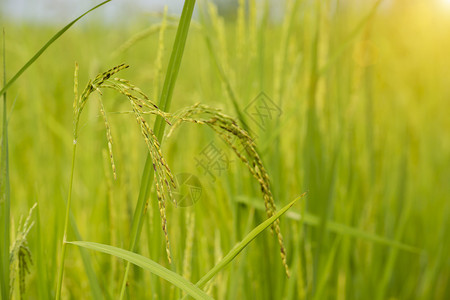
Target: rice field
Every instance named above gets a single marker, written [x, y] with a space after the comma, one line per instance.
[278, 150]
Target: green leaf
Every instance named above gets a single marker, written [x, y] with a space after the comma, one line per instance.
[241, 245]
[147, 264]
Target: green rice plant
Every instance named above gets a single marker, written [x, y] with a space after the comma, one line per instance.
[138, 101]
[226, 127]
[164, 180]
[244, 147]
[20, 257]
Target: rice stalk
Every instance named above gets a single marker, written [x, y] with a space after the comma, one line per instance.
[139, 102]
[226, 127]
[244, 147]
[164, 180]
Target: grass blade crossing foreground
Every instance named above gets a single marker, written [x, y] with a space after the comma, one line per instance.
[149, 265]
[339, 228]
[164, 104]
[245, 241]
[4, 196]
[42, 50]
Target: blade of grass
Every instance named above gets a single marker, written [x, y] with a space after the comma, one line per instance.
[4, 194]
[245, 241]
[164, 103]
[241, 245]
[42, 50]
[147, 264]
[313, 220]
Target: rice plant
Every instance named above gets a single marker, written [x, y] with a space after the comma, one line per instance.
[330, 129]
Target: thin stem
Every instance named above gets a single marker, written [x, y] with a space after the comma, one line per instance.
[66, 225]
